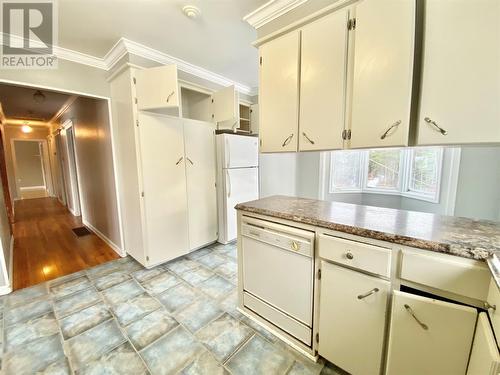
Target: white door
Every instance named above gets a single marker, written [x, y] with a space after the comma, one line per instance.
[484, 358]
[352, 305]
[383, 73]
[226, 108]
[429, 336]
[199, 141]
[157, 88]
[240, 185]
[164, 185]
[240, 151]
[460, 89]
[323, 83]
[279, 94]
[254, 118]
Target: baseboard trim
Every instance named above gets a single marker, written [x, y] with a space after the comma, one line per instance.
[103, 237]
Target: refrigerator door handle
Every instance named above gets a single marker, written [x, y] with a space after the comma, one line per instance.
[228, 181]
[227, 151]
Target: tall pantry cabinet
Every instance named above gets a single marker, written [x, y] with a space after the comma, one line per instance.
[166, 168]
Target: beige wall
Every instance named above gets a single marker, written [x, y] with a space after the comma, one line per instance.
[29, 163]
[94, 159]
[14, 132]
[68, 76]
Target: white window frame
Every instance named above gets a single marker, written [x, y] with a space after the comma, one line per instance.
[405, 166]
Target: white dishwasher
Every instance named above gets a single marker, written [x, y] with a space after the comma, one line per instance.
[278, 272]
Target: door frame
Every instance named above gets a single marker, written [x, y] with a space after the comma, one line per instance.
[69, 150]
[45, 173]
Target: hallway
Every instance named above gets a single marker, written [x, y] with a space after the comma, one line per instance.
[45, 247]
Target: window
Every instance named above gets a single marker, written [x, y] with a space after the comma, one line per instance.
[415, 173]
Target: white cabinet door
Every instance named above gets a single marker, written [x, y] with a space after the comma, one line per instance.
[164, 184]
[199, 140]
[494, 310]
[279, 94]
[157, 88]
[323, 83]
[383, 73]
[460, 90]
[352, 305]
[429, 336]
[226, 108]
[484, 358]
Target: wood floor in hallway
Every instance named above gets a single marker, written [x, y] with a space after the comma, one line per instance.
[45, 247]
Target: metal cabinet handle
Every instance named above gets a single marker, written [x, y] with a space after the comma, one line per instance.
[306, 137]
[434, 123]
[386, 133]
[367, 294]
[180, 159]
[228, 183]
[410, 311]
[171, 94]
[287, 140]
[487, 306]
[190, 161]
[349, 255]
[295, 246]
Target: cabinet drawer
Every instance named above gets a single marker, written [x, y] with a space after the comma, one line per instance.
[369, 258]
[464, 277]
[494, 311]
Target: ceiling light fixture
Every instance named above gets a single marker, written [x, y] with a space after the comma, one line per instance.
[191, 11]
[38, 96]
[26, 128]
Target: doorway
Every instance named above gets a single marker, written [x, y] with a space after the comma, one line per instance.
[65, 142]
[30, 171]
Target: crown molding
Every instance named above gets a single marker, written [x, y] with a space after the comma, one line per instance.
[125, 46]
[270, 11]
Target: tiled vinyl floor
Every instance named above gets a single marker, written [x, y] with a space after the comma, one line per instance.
[119, 318]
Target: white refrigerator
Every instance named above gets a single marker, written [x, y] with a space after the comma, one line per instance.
[237, 178]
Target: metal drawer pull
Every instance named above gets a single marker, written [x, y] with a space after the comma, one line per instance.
[178, 161]
[168, 97]
[287, 140]
[408, 308]
[295, 246]
[309, 139]
[434, 123]
[487, 306]
[189, 160]
[349, 255]
[373, 291]
[386, 133]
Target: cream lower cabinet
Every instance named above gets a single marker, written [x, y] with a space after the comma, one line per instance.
[429, 336]
[460, 89]
[352, 317]
[484, 358]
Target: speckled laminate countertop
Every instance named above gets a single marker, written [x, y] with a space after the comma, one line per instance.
[468, 238]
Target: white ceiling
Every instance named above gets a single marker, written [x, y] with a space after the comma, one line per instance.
[218, 41]
[18, 103]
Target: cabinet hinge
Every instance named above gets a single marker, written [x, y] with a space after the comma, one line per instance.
[147, 258]
[260, 61]
[351, 24]
[135, 81]
[319, 274]
[136, 122]
[317, 338]
[142, 194]
[260, 142]
[135, 100]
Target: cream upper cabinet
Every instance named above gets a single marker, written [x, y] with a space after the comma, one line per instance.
[279, 94]
[352, 305]
[157, 88]
[226, 108]
[383, 73]
[460, 88]
[323, 83]
[429, 336]
[484, 358]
